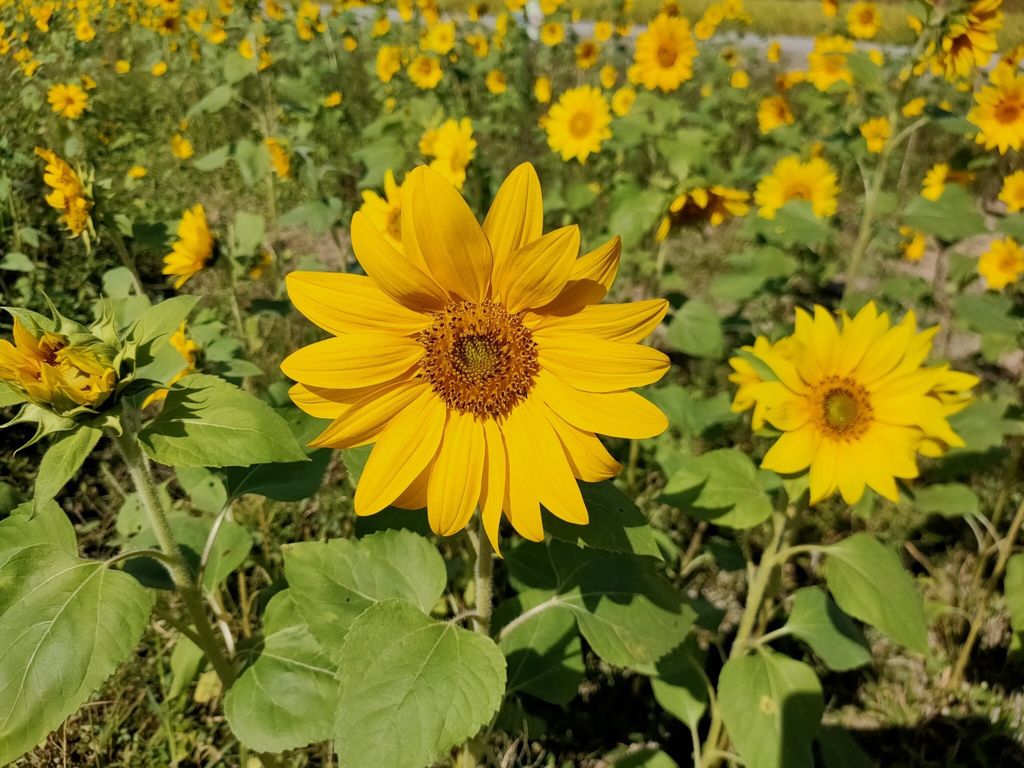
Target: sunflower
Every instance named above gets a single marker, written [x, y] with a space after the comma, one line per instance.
[935, 180]
[915, 107]
[863, 20]
[279, 159]
[389, 62]
[999, 112]
[496, 82]
[67, 100]
[791, 179]
[623, 100]
[1002, 264]
[385, 213]
[855, 404]
[773, 112]
[578, 123]
[425, 72]
[1012, 192]
[189, 351]
[608, 76]
[664, 54]
[913, 244]
[876, 133]
[439, 38]
[193, 248]
[452, 146]
[479, 363]
[704, 204]
[68, 194]
[181, 147]
[827, 62]
[552, 33]
[542, 89]
[969, 41]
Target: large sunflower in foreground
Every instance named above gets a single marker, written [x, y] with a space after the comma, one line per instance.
[999, 112]
[479, 362]
[854, 402]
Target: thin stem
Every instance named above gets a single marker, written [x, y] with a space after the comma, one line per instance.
[126, 258]
[525, 616]
[484, 574]
[156, 554]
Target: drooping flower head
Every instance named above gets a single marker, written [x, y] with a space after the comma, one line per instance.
[970, 39]
[193, 248]
[792, 179]
[479, 362]
[578, 123]
[999, 112]
[68, 194]
[855, 402]
[664, 54]
[711, 205]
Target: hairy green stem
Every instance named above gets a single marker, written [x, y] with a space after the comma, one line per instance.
[484, 575]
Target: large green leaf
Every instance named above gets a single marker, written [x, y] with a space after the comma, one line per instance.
[722, 486]
[206, 422]
[680, 687]
[868, 582]
[332, 582]
[616, 523]
[696, 330]
[50, 526]
[61, 462]
[65, 625]
[286, 698]
[412, 688]
[771, 706]
[952, 217]
[544, 651]
[158, 322]
[948, 500]
[293, 481]
[831, 633]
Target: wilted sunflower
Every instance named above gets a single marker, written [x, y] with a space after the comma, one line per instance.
[791, 179]
[192, 249]
[704, 204]
[664, 54]
[386, 212]
[999, 112]
[479, 362]
[855, 404]
[578, 123]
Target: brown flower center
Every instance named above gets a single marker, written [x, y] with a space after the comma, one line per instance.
[842, 408]
[478, 358]
[667, 55]
[1008, 112]
[580, 124]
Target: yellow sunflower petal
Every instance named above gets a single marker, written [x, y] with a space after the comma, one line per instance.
[344, 303]
[522, 504]
[589, 459]
[415, 496]
[536, 273]
[516, 216]
[405, 447]
[392, 272]
[592, 276]
[627, 323]
[353, 361]
[366, 419]
[314, 401]
[493, 490]
[439, 229]
[600, 366]
[823, 471]
[618, 414]
[454, 487]
[793, 452]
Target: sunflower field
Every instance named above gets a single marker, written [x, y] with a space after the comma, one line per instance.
[555, 384]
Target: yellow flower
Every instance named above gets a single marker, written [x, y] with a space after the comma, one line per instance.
[425, 72]
[791, 179]
[603, 31]
[938, 175]
[88, 83]
[159, 69]
[748, 380]
[774, 52]
[664, 54]
[181, 147]
[876, 133]
[385, 213]
[608, 76]
[349, 43]
[1002, 264]
[827, 62]
[623, 100]
[830, 8]
[137, 172]
[452, 146]
[381, 27]
[67, 100]
[704, 204]
[969, 41]
[739, 79]
[578, 124]
[914, 244]
[587, 52]
[542, 89]
[863, 20]
[333, 99]
[439, 38]
[855, 405]
[189, 351]
[122, 67]
[473, 368]
[279, 159]
[999, 112]
[1012, 192]
[773, 112]
[495, 82]
[56, 371]
[914, 107]
[552, 33]
[479, 45]
[68, 194]
[193, 248]
[389, 62]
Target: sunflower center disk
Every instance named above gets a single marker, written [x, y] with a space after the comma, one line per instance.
[478, 358]
[667, 55]
[580, 124]
[843, 408]
[1008, 112]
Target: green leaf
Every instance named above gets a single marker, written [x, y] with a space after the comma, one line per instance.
[616, 523]
[840, 750]
[679, 687]
[987, 313]
[723, 487]
[952, 217]
[213, 161]
[14, 261]
[204, 488]
[287, 697]
[24, 527]
[292, 481]
[332, 582]
[696, 330]
[412, 688]
[61, 462]
[249, 232]
[949, 500]
[158, 322]
[65, 625]
[794, 224]
[544, 652]
[212, 102]
[831, 633]
[207, 422]
[185, 661]
[868, 582]
[771, 706]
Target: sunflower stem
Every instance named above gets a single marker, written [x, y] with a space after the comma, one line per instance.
[484, 575]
